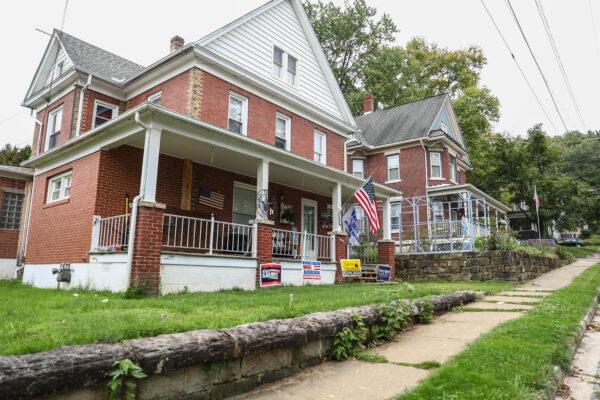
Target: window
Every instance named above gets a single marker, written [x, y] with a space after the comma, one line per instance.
[358, 167]
[320, 147]
[453, 172]
[435, 161]
[393, 168]
[277, 62]
[238, 114]
[53, 128]
[395, 216]
[283, 128]
[104, 112]
[59, 187]
[58, 69]
[285, 66]
[244, 203]
[10, 212]
[291, 70]
[155, 98]
[444, 127]
[438, 211]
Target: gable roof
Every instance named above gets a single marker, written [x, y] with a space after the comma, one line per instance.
[97, 61]
[398, 124]
[309, 34]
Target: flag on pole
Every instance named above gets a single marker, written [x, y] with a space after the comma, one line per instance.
[365, 196]
[351, 222]
[536, 199]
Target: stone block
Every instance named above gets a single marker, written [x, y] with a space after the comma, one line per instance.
[225, 371]
[257, 363]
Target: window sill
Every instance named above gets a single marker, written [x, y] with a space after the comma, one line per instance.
[56, 203]
[437, 179]
[394, 181]
[451, 181]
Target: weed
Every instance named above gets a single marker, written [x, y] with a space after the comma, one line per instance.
[123, 382]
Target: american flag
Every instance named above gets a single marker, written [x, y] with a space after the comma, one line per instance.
[211, 198]
[365, 196]
[536, 199]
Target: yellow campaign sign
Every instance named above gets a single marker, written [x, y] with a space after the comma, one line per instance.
[351, 268]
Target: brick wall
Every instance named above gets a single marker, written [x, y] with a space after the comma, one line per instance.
[87, 112]
[175, 94]
[387, 256]
[61, 231]
[261, 120]
[145, 265]
[68, 103]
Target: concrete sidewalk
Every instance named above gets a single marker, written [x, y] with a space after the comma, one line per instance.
[447, 336]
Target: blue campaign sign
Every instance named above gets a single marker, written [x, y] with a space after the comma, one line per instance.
[384, 273]
[311, 270]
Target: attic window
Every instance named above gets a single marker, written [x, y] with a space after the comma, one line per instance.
[58, 70]
[104, 112]
[444, 127]
[285, 66]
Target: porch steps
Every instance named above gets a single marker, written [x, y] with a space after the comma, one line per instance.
[369, 273]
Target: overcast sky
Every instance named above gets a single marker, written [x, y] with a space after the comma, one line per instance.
[140, 31]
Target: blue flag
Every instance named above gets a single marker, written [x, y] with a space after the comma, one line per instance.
[351, 223]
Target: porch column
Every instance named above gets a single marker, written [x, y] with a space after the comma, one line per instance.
[147, 245]
[386, 248]
[262, 225]
[387, 221]
[336, 205]
[150, 164]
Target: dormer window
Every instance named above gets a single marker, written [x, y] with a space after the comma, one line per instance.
[104, 112]
[285, 66]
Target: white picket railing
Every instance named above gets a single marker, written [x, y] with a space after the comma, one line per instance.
[299, 245]
[209, 235]
[110, 233]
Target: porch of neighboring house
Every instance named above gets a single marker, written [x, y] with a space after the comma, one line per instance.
[448, 219]
[210, 214]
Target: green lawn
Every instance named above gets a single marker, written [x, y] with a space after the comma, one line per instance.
[33, 320]
[514, 361]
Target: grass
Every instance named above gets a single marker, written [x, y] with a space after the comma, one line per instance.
[592, 245]
[515, 360]
[33, 320]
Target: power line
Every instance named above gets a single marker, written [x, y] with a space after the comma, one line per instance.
[519, 66]
[512, 11]
[563, 71]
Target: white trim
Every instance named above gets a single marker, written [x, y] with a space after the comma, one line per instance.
[284, 65]
[154, 96]
[362, 173]
[431, 165]
[288, 129]
[323, 142]
[387, 167]
[113, 107]
[244, 121]
[62, 178]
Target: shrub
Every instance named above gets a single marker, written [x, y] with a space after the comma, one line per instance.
[564, 254]
[134, 292]
[497, 240]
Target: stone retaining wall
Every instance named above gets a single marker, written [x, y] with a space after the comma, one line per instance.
[476, 266]
[206, 364]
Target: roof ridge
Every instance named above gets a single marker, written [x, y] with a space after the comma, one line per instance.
[97, 47]
[404, 104]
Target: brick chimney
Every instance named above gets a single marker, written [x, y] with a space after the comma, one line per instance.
[368, 104]
[177, 43]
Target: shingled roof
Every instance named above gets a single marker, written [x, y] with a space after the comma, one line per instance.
[401, 123]
[97, 61]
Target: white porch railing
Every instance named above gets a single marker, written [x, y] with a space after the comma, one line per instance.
[110, 233]
[210, 235]
[298, 245]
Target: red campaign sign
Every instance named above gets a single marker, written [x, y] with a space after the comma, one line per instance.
[270, 274]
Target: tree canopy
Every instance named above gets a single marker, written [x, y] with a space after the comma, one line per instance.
[13, 155]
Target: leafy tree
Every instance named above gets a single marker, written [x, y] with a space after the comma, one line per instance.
[13, 155]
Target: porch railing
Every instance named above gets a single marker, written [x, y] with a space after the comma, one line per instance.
[210, 235]
[110, 233]
[302, 245]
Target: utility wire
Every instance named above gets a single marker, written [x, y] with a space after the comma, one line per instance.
[519, 66]
[563, 71]
[512, 11]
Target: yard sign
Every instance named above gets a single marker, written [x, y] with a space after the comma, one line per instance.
[270, 274]
[383, 273]
[311, 270]
[351, 268]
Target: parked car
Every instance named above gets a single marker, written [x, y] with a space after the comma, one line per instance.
[571, 240]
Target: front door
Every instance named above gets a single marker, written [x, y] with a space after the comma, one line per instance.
[309, 228]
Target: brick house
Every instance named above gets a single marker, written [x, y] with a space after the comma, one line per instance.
[189, 173]
[418, 148]
[15, 189]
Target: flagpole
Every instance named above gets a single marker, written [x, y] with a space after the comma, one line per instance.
[537, 211]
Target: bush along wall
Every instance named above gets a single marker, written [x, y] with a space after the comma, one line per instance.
[210, 363]
[480, 266]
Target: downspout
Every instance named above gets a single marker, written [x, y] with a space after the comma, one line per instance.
[80, 108]
[426, 165]
[136, 201]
